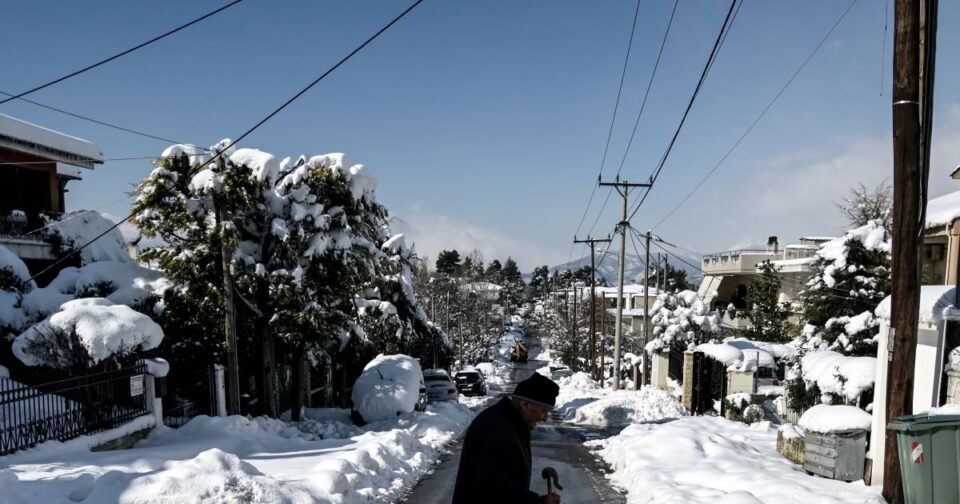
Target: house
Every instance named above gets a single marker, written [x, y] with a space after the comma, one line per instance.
[36, 164]
[938, 332]
[726, 275]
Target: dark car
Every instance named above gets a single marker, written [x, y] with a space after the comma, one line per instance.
[470, 383]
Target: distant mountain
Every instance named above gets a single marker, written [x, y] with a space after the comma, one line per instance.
[607, 267]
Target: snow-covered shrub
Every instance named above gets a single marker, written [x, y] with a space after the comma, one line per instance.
[680, 319]
[389, 386]
[831, 378]
[86, 331]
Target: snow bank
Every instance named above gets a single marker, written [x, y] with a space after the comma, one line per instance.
[838, 374]
[936, 304]
[582, 401]
[103, 328]
[832, 418]
[389, 386]
[238, 459]
[79, 228]
[10, 262]
[709, 460]
[746, 355]
[946, 409]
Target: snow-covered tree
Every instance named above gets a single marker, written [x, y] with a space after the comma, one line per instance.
[304, 239]
[863, 205]
[768, 316]
[850, 276]
[680, 319]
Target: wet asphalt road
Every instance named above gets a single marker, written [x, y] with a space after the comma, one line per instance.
[554, 444]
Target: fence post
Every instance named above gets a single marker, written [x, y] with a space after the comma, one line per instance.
[219, 390]
[154, 404]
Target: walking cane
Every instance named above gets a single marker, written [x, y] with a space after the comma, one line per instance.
[550, 474]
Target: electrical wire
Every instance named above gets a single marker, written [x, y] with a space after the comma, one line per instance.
[260, 123]
[120, 54]
[758, 118]
[613, 120]
[727, 23]
[97, 121]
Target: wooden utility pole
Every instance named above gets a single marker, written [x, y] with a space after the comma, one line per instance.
[646, 316]
[229, 310]
[573, 322]
[593, 301]
[603, 337]
[913, 63]
[624, 189]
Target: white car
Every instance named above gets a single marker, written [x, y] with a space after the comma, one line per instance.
[439, 385]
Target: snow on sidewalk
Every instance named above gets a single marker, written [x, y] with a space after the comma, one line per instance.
[236, 459]
[582, 401]
[712, 460]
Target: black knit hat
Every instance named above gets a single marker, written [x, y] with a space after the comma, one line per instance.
[538, 389]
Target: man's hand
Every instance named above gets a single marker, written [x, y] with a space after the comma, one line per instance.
[551, 498]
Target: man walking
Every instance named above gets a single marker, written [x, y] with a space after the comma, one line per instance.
[495, 460]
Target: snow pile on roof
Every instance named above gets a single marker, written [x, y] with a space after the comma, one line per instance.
[80, 228]
[389, 386]
[103, 329]
[936, 304]
[236, 459]
[582, 401]
[710, 460]
[22, 130]
[746, 355]
[839, 374]
[825, 418]
[943, 210]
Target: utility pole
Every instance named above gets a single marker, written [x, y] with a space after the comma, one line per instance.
[913, 64]
[573, 325]
[623, 188]
[666, 268]
[593, 302]
[603, 338]
[646, 315]
[229, 310]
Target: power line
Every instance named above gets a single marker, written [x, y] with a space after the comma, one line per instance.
[97, 121]
[613, 120]
[120, 54]
[134, 158]
[727, 23]
[264, 120]
[759, 117]
[315, 81]
[646, 94]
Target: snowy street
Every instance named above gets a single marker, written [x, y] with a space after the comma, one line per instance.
[553, 444]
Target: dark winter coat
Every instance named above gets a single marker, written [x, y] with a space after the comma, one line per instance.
[495, 460]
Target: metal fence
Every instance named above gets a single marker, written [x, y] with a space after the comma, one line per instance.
[709, 384]
[44, 405]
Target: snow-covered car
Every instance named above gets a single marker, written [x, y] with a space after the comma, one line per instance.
[390, 385]
[560, 372]
[439, 385]
[470, 382]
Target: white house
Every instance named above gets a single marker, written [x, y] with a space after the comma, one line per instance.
[938, 332]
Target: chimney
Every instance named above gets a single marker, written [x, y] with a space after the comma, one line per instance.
[772, 245]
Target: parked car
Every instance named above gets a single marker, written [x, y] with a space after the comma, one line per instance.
[390, 385]
[560, 372]
[470, 382]
[439, 386]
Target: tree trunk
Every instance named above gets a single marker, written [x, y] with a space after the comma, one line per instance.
[268, 369]
[298, 389]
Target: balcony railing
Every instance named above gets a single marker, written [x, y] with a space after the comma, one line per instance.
[20, 225]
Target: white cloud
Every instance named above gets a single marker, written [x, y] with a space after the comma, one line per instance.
[433, 232]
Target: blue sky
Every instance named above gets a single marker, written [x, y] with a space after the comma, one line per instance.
[486, 121]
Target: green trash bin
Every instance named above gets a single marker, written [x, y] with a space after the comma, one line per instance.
[929, 449]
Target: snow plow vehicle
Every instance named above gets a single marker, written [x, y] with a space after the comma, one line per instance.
[519, 353]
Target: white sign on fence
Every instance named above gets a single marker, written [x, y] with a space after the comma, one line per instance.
[136, 385]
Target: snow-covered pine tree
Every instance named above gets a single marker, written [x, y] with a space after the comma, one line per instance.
[851, 275]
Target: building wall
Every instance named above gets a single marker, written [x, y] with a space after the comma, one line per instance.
[32, 186]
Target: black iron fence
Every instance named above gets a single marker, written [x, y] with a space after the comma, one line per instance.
[709, 384]
[44, 405]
